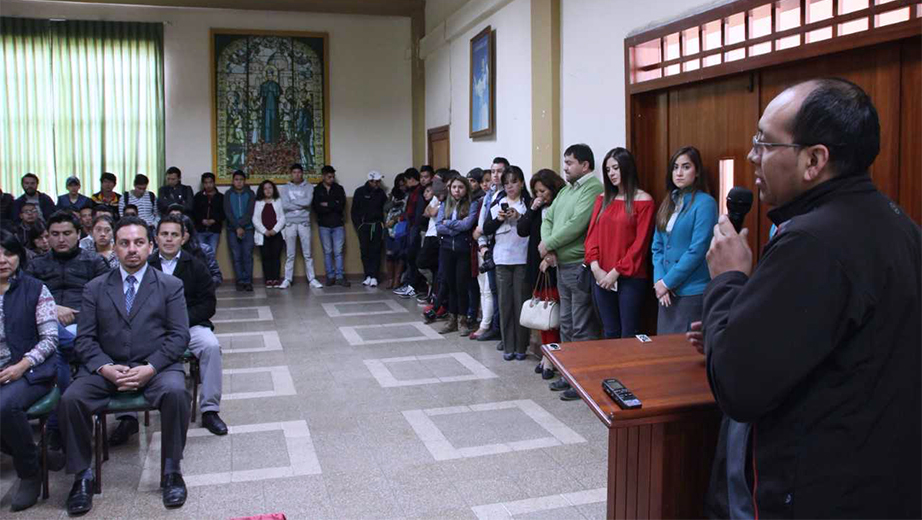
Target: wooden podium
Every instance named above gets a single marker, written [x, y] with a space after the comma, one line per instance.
[659, 456]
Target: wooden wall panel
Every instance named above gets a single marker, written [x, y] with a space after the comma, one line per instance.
[911, 129]
[719, 118]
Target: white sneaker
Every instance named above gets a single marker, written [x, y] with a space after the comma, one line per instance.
[367, 281]
[316, 284]
[285, 284]
[373, 282]
[400, 290]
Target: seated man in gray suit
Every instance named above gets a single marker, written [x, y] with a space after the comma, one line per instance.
[133, 329]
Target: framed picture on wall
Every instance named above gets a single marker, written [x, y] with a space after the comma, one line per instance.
[270, 103]
[483, 83]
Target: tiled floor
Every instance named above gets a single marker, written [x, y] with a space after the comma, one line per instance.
[342, 404]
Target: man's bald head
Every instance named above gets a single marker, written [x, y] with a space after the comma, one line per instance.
[838, 114]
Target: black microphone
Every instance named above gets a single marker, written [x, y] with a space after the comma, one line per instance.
[739, 202]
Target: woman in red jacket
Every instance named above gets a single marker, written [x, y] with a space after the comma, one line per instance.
[617, 244]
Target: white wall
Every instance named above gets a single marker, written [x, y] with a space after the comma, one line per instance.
[370, 92]
[448, 100]
[592, 64]
[438, 10]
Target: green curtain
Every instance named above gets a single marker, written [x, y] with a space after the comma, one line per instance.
[102, 102]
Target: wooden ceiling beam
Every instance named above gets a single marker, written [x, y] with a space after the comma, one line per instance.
[361, 7]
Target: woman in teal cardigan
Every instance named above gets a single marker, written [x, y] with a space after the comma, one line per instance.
[684, 227]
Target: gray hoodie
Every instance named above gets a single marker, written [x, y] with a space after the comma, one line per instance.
[296, 202]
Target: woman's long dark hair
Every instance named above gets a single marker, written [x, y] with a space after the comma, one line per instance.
[667, 207]
[396, 192]
[515, 171]
[463, 204]
[629, 181]
[275, 190]
[36, 230]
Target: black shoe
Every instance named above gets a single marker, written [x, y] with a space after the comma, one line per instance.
[539, 368]
[521, 356]
[500, 346]
[342, 282]
[174, 491]
[248, 287]
[560, 384]
[125, 429]
[80, 499]
[241, 287]
[56, 460]
[330, 281]
[569, 395]
[27, 494]
[548, 373]
[509, 356]
[488, 335]
[54, 440]
[213, 423]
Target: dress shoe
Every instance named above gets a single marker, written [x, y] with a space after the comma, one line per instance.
[213, 423]
[569, 395]
[521, 356]
[500, 346]
[125, 429]
[174, 490]
[547, 374]
[27, 494]
[488, 335]
[80, 499]
[560, 384]
[248, 287]
[539, 368]
[509, 356]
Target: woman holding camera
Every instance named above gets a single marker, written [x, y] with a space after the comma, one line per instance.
[510, 253]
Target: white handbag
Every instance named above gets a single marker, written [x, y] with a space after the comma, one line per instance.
[538, 313]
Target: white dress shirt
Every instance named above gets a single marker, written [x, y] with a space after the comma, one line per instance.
[168, 266]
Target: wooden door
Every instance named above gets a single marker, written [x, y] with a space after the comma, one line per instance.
[439, 149]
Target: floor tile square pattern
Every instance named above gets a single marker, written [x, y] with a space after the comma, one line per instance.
[558, 505]
[442, 449]
[386, 377]
[282, 383]
[389, 333]
[301, 454]
[249, 342]
[242, 314]
[363, 308]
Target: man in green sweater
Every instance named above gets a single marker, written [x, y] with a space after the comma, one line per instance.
[563, 232]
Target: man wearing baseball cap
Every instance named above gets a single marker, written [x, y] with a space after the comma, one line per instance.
[73, 200]
[368, 218]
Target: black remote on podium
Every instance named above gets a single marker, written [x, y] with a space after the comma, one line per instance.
[620, 394]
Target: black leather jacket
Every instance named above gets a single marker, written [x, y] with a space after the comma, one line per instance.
[66, 274]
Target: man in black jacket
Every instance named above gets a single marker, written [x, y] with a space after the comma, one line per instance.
[43, 202]
[368, 218]
[208, 206]
[329, 204]
[814, 356]
[65, 270]
[175, 193]
[198, 290]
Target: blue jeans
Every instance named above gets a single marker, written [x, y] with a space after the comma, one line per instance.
[211, 239]
[620, 310]
[332, 240]
[241, 250]
[66, 337]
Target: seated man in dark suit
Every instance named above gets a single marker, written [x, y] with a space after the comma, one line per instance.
[172, 259]
[133, 330]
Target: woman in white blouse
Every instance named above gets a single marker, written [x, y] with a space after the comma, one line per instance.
[510, 253]
[269, 219]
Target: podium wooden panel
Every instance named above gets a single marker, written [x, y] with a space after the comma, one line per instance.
[659, 456]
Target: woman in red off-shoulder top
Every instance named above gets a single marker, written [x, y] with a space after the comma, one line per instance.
[617, 244]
